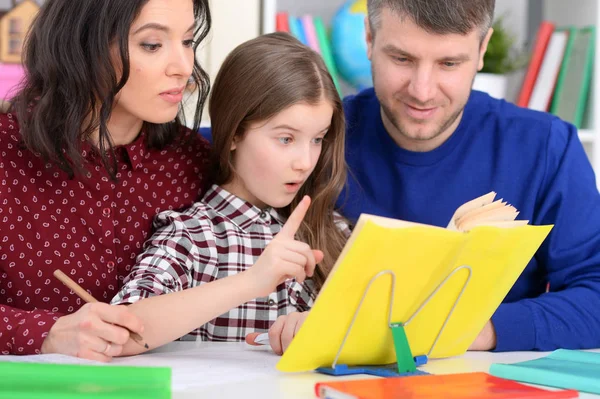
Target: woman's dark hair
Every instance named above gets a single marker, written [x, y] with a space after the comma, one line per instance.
[71, 82]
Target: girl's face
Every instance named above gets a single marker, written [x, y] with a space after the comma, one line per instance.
[274, 158]
[161, 57]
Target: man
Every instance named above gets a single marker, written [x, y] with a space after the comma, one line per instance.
[422, 143]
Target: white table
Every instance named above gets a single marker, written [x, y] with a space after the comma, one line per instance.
[236, 370]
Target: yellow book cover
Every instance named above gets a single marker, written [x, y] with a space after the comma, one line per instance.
[421, 257]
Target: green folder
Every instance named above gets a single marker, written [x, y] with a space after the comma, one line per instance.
[562, 368]
[67, 381]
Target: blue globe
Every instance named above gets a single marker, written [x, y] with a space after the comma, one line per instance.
[348, 43]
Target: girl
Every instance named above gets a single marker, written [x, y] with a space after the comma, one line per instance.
[90, 151]
[229, 262]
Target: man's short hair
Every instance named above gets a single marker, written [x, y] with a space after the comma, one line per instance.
[438, 16]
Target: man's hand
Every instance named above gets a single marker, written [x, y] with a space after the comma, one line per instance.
[486, 340]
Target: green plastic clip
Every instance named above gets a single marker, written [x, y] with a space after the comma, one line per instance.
[404, 357]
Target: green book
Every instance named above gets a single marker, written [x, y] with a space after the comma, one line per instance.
[573, 84]
[326, 52]
[68, 381]
[562, 368]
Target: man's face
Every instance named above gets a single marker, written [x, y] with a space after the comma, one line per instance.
[422, 80]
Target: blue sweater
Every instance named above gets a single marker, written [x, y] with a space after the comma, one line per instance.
[532, 160]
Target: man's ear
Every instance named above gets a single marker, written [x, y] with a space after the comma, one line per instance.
[368, 37]
[483, 48]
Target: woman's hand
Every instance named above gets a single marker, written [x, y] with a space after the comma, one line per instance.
[97, 331]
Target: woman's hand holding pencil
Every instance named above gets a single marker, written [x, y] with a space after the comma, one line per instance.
[97, 331]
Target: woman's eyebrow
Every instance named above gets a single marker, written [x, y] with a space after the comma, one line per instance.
[157, 26]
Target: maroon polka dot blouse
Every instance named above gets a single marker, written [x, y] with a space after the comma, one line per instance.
[92, 227]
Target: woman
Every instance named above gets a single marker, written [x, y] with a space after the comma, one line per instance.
[90, 151]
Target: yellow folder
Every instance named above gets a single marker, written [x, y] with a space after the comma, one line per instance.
[420, 256]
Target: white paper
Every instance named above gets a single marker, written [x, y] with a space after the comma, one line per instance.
[204, 365]
[52, 358]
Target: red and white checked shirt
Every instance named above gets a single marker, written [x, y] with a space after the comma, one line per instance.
[220, 236]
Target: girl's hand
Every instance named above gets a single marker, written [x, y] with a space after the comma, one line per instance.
[97, 331]
[285, 258]
[282, 331]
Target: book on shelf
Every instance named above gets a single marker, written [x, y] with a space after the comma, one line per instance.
[542, 39]
[573, 86]
[545, 82]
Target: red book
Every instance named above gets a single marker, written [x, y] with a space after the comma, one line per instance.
[282, 22]
[537, 56]
[450, 386]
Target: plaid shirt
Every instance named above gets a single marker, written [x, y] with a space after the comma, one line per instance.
[220, 236]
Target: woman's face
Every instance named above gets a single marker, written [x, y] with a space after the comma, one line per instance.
[161, 59]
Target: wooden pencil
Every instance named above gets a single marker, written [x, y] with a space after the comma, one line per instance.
[83, 294]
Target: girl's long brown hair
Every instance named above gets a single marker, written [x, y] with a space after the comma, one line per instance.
[259, 79]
